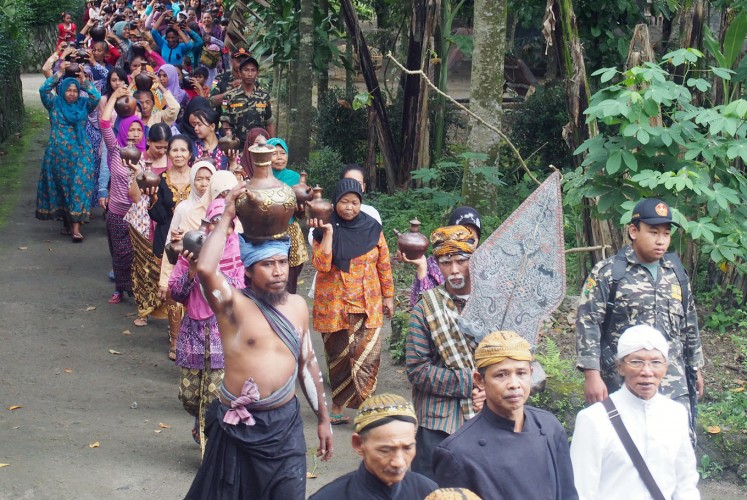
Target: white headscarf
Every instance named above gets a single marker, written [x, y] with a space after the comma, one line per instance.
[187, 214]
[640, 337]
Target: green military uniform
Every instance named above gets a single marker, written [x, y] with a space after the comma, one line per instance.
[221, 82]
[640, 300]
[247, 111]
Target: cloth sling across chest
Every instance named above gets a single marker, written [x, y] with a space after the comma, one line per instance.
[249, 398]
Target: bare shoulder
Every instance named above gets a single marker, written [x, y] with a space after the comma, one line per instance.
[296, 310]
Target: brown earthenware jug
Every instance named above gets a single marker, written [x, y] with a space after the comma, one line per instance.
[130, 153]
[228, 142]
[98, 33]
[194, 239]
[320, 208]
[302, 190]
[72, 70]
[267, 207]
[125, 106]
[413, 243]
[147, 178]
[172, 250]
[143, 81]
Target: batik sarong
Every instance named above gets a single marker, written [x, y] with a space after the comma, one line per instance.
[120, 248]
[146, 270]
[353, 357]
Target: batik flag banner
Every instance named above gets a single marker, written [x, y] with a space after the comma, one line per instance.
[518, 273]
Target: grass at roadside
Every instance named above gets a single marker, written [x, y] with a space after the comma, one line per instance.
[15, 159]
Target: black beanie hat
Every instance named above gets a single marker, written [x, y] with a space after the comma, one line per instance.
[345, 186]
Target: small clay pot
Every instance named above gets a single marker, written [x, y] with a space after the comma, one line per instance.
[72, 70]
[130, 153]
[228, 142]
[82, 56]
[125, 106]
[172, 250]
[319, 208]
[143, 81]
[302, 190]
[413, 243]
[98, 33]
[193, 240]
[147, 179]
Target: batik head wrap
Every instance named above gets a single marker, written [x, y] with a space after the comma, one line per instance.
[501, 345]
[452, 494]
[251, 253]
[452, 239]
[640, 337]
[381, 409]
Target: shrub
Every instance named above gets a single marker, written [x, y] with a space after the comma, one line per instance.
[323, 168]
[340, 127]
[537, 124]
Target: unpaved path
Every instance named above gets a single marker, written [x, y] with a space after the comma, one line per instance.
[56, 333]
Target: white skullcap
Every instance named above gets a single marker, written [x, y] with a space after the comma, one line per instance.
[640, 337]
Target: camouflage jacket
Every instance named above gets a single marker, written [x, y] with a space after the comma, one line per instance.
[245, 112]
[639, 300]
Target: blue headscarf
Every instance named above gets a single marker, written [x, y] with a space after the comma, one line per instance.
[252, 253]
[72, 113]
[277, 141]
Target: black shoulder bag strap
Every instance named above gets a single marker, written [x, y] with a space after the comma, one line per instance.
[633, 452]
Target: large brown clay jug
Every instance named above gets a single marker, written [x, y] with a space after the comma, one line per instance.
[98, 33]
[125, 106]
[130, 153]
[302, 190]
[319, 208]
[228, 142]
[412, 243]
[143, 81]
[267, 207]
[194, 239]
[72, 70]
[147, 178]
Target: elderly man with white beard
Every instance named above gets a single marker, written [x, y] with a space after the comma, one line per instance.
[439, 357]
[658, 460]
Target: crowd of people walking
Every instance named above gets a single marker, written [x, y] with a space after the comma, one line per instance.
[140, 100]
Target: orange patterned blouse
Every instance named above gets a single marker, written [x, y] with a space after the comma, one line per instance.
[360, 291]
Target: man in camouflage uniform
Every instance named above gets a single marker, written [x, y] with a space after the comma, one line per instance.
[228, 79]
[248, 106]
[648, 293]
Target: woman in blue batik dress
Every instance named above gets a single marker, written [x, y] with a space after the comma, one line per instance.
[66, 178]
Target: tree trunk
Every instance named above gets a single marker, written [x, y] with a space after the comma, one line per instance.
[383, 131]
[300, 139]
[322, 85]
[415, 131]
[371, 174]
[486, 96]
[349, 72]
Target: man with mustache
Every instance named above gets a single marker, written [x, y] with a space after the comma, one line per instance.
[385, 439]
[439, 356]
[255, 441]
[641, 285]
[508, 450]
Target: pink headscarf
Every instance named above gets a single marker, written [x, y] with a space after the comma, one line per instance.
[230, 263]
[124, 128]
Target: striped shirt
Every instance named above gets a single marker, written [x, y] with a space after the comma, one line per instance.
[437, 390]
[121, 175]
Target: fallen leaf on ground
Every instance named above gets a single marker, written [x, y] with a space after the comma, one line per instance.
[157, 431]
[737, 389]
[4, 465]
[90, 308]
[95, 444]
[68, 370]
[309, 475]
[164, 426]
[14, 407]
[713, 429]
[126, 332]
[300, 282]
[23, 248]
[112, 351]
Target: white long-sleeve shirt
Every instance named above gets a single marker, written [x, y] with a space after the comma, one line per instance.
[660, 430]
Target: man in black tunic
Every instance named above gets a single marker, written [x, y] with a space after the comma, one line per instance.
[508, 450]
[385, 438]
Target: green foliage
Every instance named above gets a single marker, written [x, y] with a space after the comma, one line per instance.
[689, 160]
[398, 339]
[323, 168]
[729, 412]
[709, 468]
[340, 127]
[44, 12]
[14, 31]
[536, 126]
[606, 37]
[726, 307]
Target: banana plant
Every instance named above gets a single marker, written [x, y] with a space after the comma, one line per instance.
[728, 56]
